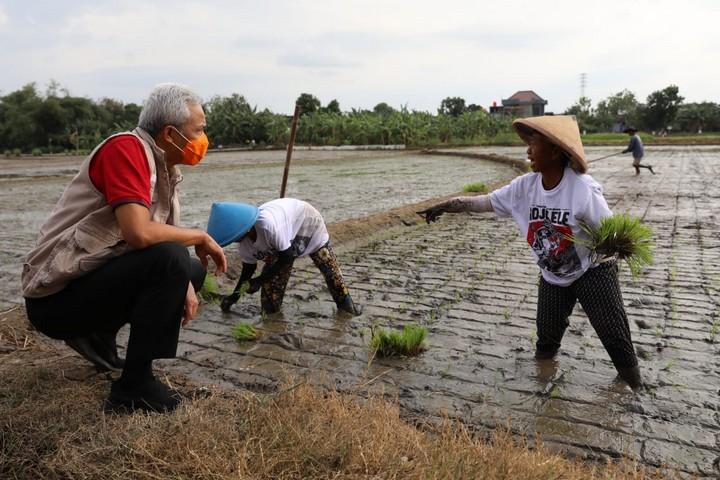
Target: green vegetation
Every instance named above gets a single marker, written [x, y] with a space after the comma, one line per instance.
[621, 236]
[408, 342]
[621, 139]
[56, 122]
[244, 332]
[210, 291]
[663, 111]
[477, 187]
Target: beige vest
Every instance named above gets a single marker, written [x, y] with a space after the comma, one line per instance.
[82, 232]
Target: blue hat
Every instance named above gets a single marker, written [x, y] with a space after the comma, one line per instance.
[230, 221]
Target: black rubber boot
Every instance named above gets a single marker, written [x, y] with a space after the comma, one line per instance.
[99, 349]
[350, 307]
[631, 376]
[151, 396]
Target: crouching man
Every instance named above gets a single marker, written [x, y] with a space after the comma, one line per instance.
[111, 252]
[278, 232]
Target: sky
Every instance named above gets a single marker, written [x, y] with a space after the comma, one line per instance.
[412, 52]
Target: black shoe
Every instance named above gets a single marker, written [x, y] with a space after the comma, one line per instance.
[99, 349]
[350, 307]
[151, 396]
[631, 376]
[649, 167]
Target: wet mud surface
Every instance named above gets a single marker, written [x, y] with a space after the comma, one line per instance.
[469, 279]
[341, 184]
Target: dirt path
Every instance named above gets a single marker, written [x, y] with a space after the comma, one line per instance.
[469, 279]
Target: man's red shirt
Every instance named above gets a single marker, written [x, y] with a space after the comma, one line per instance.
[120, 171]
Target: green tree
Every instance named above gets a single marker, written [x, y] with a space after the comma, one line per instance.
[333, 106]
[693, 117]
[584, 112]
[383, 108]
[623, 106]
[308, 103]
[18, 112]
[230, 120]
[453, 106]
[662, 107]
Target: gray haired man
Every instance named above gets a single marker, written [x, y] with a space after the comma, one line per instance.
[112, 252]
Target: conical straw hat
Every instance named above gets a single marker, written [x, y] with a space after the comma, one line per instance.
[561, 130]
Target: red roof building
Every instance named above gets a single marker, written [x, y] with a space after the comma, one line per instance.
[523, 103]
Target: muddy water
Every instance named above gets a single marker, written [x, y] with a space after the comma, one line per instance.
[469, 280]
[341, 184]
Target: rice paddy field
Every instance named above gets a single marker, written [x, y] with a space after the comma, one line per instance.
[468, 280]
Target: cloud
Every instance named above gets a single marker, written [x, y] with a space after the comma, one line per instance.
[4, 19]
[314, 60]
[364, 51]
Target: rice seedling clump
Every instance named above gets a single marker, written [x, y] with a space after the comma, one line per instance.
[621, 236]
[409, 341]
[477, 187]
[244, 332]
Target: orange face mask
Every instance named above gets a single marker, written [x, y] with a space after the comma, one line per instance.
[194, 150]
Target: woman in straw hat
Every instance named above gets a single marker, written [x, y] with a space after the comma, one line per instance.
[548, 205]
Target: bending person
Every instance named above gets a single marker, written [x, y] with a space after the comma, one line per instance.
[278, 232]
[111, 252]
[547, 205]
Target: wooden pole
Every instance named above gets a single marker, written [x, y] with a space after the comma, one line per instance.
[291, 144]
[603, 158]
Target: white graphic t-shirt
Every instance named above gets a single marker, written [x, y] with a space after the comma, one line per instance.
[282, 224]
[547, 217]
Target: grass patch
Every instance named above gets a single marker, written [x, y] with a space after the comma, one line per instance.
[649, 139]
[477, 187]
[408, 342]
[244, 332]
[621, 236]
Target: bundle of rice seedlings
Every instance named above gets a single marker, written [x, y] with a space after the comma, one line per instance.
[620, 236]
[408, 342]
[210, 291]
[477, 187]
[244, 332]
[242, 290]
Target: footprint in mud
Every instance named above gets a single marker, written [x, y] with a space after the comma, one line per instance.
[287, 340]
[642, 324]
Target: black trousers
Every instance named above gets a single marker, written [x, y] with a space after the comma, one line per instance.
[598, 291]
[145, 288]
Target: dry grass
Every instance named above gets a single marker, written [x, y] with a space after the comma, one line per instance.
[52, 427]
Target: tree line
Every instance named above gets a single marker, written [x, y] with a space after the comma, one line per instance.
[663, 110]
[54, 121]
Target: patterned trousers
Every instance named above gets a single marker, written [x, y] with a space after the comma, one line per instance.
[598, 291]
[273, 291]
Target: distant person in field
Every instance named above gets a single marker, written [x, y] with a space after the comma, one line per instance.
[112, 252]
[637, 149]
[548, 205]
[278, 232]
